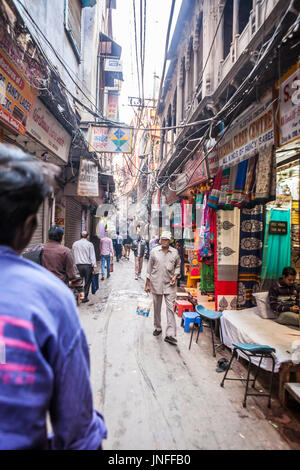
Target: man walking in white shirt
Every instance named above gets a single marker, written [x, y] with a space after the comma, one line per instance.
[107, 253]
[85, 260]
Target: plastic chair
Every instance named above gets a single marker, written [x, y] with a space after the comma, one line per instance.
[252, 350]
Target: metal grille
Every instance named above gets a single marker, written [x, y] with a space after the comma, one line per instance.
[73, 221]
[38, 234]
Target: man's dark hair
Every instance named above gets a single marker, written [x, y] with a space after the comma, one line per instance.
[24, 184]
[289, 271]
[56, 233]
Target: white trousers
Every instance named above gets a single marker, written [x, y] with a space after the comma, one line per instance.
[171, 322]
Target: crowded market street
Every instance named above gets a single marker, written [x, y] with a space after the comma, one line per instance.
[158, 396]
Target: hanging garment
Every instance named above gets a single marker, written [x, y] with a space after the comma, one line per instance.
[207, 278]
[239, 186]
[224, 188]
[249, 196]
[278, 255]
[215, 193]
[227, 242]
[251, 253]
[265, 176]
[207, 248]
[232, 178]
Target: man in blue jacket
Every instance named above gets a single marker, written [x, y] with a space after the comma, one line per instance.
[44, 357]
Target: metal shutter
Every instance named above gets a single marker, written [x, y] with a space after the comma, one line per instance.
[73, 221]
[38, 234]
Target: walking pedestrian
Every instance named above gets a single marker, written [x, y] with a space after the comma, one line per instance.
[119, 246]
[59, 260]
[127, 245]
[46, 352]
[153, 242]
[85, 260]
[107, 253]
[139, 247]
[163, 269]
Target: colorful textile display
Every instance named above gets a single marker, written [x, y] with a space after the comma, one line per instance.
[215, 193]
[232, 178]
[251, 252]
[265, 176]
[207, 278]
[278, 254]
[239, 186]
[207, 248]
[227, 258]
[224, 188]
[250, 184]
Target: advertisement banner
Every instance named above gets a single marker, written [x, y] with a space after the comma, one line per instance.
[289, 113]
[88, 179]
[196, 173]
[112, 106]
[110, 139]
[17, 96]
[251, 133]
[43, 126]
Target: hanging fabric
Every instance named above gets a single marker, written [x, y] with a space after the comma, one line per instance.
[248, 200]
[251, 252]
[207, 278]
[224, 188]
[215, 193]
[265, 176]
[239, 186]
[232, 178]
[278, 255]
[227, 258]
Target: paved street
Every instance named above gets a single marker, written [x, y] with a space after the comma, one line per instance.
[157, 396]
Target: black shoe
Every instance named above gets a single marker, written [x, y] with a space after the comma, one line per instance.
[102, 278]
[108, 275]
[85, 300]
[171, 340]
[156, 332]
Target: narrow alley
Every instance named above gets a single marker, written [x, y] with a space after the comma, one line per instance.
[157, 396]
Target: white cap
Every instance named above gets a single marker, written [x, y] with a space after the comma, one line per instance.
[166, 235]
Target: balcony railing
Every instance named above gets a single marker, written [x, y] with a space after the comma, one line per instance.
[258, 16]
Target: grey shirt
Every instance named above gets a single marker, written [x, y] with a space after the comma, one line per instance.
[84, 252]
[162, 266]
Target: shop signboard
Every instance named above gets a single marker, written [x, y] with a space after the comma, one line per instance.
[17, 96]
[289, 112]
[277, 228]
[212, 161]
[112, 106]
[88, 179]
[252, 132]
[43, 126]
[110, 139]
[113, 65]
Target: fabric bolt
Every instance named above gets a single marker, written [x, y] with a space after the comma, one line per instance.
[227, 233]
[232, 178]
[251, 253]
[239, 186]
[213, 198]
[224, 188]
[207, 278]
[278, 254]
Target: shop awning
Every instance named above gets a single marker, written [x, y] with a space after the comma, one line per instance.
[107, 181]
[108, 47]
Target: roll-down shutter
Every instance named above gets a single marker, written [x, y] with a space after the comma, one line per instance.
[38, 234]
[73, 221]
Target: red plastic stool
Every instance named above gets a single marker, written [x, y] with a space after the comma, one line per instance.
[181, 306]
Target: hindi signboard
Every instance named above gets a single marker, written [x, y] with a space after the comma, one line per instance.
[88, 179]
[110, 139]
